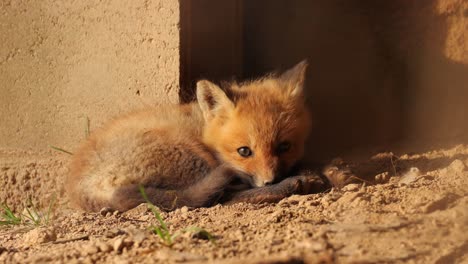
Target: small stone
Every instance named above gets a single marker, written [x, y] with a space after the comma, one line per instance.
[276, 242]
[348, 198]
[39, 235]
[200, 233]
[295, 199]
[104, 247]
[239, 235]
[325, 202]
[113, 233]
[89, 249]
[278, 216]
[274, 218]
[140, 210]
[137, 235]
[457, 166]
[145, 218]
[353, 187]
[118, 244]
[410, 176]
[121, 261]
[184, 209]
[382, 177]
[121, 244]
[127, 243]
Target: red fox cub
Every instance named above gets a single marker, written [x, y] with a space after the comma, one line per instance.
[188, 155]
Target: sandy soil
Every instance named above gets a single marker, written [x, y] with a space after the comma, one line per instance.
[411, 208]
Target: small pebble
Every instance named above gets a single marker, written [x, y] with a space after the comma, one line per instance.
[410, 176]
[118, 244]
[382, 177]
[40, 235]
[89, 249]
[104, 247]
[353, 187]
[184, 209]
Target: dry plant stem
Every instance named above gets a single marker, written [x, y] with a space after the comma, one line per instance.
[85, 237]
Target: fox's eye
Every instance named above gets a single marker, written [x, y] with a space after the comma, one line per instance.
[244, 152]
[283, 147]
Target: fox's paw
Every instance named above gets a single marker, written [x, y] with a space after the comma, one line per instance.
[338, 173]
[303, 184]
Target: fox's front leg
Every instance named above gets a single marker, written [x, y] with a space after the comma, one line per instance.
[304, 184]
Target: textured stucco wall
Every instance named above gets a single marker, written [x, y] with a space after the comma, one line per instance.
[64, 61]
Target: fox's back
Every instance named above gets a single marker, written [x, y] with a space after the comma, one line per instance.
[141, 148]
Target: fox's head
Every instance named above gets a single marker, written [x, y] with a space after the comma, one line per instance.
[258, 128]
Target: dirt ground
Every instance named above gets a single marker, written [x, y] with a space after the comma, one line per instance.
[411, 208]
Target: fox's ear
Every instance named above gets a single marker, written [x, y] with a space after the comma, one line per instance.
[212, 99]
[294, 78]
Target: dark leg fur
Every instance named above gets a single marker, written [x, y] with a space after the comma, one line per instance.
[335, 174]
[205, 192]
[214, 188]
[304, 184]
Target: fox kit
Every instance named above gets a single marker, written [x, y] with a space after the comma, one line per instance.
[188, 155]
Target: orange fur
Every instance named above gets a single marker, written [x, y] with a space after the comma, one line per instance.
[261, 114]
[191, 151]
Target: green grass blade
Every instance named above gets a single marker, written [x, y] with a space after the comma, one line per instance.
[175, 235]
[33, 212]
[9, 213]
[162, 223]
[33, 218]
[9, 218]
[153, 208]
[162, 230]
[163, 236]
[158, 232]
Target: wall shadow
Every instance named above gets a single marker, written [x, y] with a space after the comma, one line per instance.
[377, 75]
[382, 75]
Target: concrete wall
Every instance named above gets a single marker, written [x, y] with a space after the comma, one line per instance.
[380, 72]
[64, 61]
